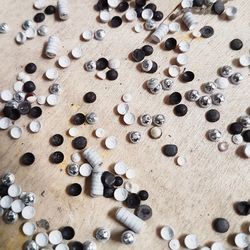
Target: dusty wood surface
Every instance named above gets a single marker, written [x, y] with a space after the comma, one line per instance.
[186, 198]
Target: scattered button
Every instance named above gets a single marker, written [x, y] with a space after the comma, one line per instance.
[217, 246]
[144, 212]
[76, 52]
[187, 76]
[79, 142]
[181, 161]
[175, 98]
[56, 157]
[28, 212]
[122, 6]
[116, 21]
[101, 63]
[244, 60]
[56, 140]
[138, 28]
[222, 82]
[55, 237]
[6, 95]
[14, 190]
[129, 118]
[64, 61]
[42, 239]
[122, 108]
[101, 75]
[170, 43]
[242, 208]
[51, 74]
[15, 132]
[118, 181]
[29, 228]
[131, 187]
[170, 150]
[241, 240]
[111, 142]
[39, 17]
[120, 168]
[237, 139]
[114, 63]
[85, 170]
[147, 14]
[207, 31]
[143, 194]
[236, 44]
[100, 133]
[131, 15]
[87, 35]
[120, 194]
[112, 74]
[52, 99]
[133, 201]
[246, 150]
[184, 46]
[68, 232]
[191, 241]
[212, 115]
[74, 189]
[174, 244]
[35, 126]
[49, 10]
[73, 131]
[155, 132]
[180, 110]
[174, 71]
[30, 68]
[167, 233]
[17, 206]
[235, 128]
[220, 225]
[138, 55]
[5, 123]
[246, 135]
[89, 97]
[182, 59]
[104, 16]
[75, 245]
[130, 173]
[6, 202]
[27, 159]
[20, 38]
[35, 112]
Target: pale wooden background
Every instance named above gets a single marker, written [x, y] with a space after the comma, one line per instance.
[187, 198]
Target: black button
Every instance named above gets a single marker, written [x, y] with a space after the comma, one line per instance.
[169, 150]
[3, 190]
[180, 110]
[78, 119]
[101, 5]
[108, 192]
[151, 6]
[235, 128]
[144, 212]
[30, 68]
[140, 3]
[138, 11]
[133, 201]
[112, 74]
[170, 43]
[116, 21]
[108, 179]
[49, 10]
[11, 113]
[35, 112]
[102, 63]
[56, 157]
[138, 55]
[242, 208]
[39, 17]
[56, 140]
[236, 44]
[89, 97]
[213, 115]
[198, 3]
[143, 194]
[27, 159]
[220, 225]
[118, 181]
[187, 76]
[74, 189]
[68, 233]
[79, 142]
[246, 135]
[218, 7]
[24, 107]
[122, 6]
[29, 87]
[207, 31]
[175, 98]
[148, 50]
[154, 68]
[158, 16]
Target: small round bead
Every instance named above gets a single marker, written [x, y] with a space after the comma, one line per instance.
[27, 159]
[138, 55]
[214, 135]
[236, 44]
[100, 34]
[56, 157]
[79, 142]
[102, 234]
[68, 232]
[143, 194]
[212, 115]
[73, 169]
[205, 101]
[56, 140]
[226, 71]
[188, 76]
[102, 63]
[112, 74]
[135, 137]
[193, 95]
[49, 10]
[167, 83]
[89, 97]
[209, 87]
[74, 189]
[29, 87]
[220, 225]
[180, 110]
[235, 128]
[158, 120]
[116, 21]
[78, 119]
[91, 118]
[155, 132]
[236, 78]
[30, 68]
[147, 65]
[245, 121]
[218, 98]
[90, 66]
[175, 98]
[148, 50]
[35, 112]
[128, 237]
[39, 17]
[145, 120]
[170, 43]
[154, 86]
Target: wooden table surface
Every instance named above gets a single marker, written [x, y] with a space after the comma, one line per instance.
[187, 198]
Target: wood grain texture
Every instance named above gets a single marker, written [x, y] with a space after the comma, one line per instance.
[186, 198]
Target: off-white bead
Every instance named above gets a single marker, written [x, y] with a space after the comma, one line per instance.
[52, 46]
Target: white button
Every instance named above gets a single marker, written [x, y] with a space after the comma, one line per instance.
[52, 74]
[120, 168]
[191, 241]
[155, 132]
[20, 76]
[55, 237]
[120, 194]
[181, 161]
[39, 4]
[244, 60]
[64, 61]
[52, 99]
[104, 16]
[184, 46]
[187, 3]
[147, 14]
[114, 63]
[17, 206]
[237, 139]
[29, 228]
[14, 190]
[6, 95]
[174, 27]
[129, 118]
[173, 71]
[35, 126]
[131, 187]
[5, 123]
[247, 150]
[130, 173]
[131, 15]
[41, 99]
[167, 233]
[85, 170]
[196, 34]
[113, 3]
[16, 132]
[30, 32]
[100, 133]
[174, 244]
[138, 28]
[6, 201]
[87, 35]
[76, 157]
[42, 239]
[21, 37]
[241, 240]
[28, 212]
[182, 59]
[62, 247]
[127, 97]
[101, 75]
[76, 52]
[32, 98]
[111, 142]
[217, 246]
[122, 108]
[73, 131]
[18, 86]
[222, 82]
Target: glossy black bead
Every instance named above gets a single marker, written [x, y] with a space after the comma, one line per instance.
[89, 97]
[30, 68]
[102, 63]
[118, 181]
[139, 11]
[133, 200]
[169, 150]
[75, 245]
[78, 119]
[235, 128]
[148, 50]
[12, 113]
[220, 225]
[175, 98]
[246, 135]
[39, 17]
[218, 7]
[27, 159]
[35, 112]
[79, 142]
[140, 3]
[170, 43]
[143, 194]
[144, 212]
[187, 76]
[154, 68]
[56, 140]
[115, 22]
[151, 6]
[180, 110]
[3, 190]
[108, 192]
[138, 55]
[49, 10]
[108, 179]
[74, 189]
[29, 87]
[68, 232]
[242, 208]
[236, 44]
[198, 3]
[112, 74]
[56, 157]
[212, 115]
[207, 31]
[122, 6]
[24, 107]
[158, 16]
